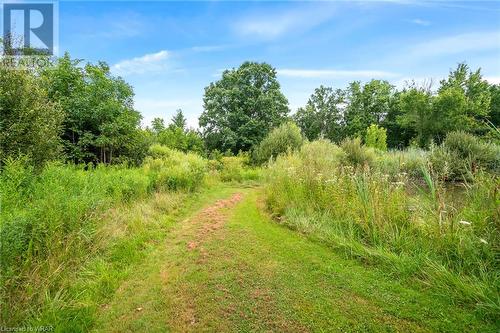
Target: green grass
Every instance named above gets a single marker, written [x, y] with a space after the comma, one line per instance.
[131, 249]
[439, 235]
[254, 275]
[50, 221]
[128, 234]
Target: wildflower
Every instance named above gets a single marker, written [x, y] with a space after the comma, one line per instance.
[482, 240]
[464, 222]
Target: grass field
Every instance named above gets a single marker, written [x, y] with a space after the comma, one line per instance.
[324, 238]
[219, 263]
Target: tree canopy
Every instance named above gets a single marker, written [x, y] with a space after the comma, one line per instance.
[464, 101]
[242, 107]
[99, 117]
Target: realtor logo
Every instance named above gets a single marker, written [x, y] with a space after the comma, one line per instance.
[30, 26]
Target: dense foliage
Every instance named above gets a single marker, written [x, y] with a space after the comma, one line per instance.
[176, 135]
[280, 140]
[416, 115]
[30, 123]
[242, 107]
[100, 123]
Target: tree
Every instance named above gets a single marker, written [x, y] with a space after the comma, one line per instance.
[398, 136]
[463, 102]
[98, 109]
[376, 137]
[158, 125]
[417, 113]
[368, 104]
[322, 116]
[242, 107]
[494, 113]
[177, 136]
[178, 120]
[30, 123]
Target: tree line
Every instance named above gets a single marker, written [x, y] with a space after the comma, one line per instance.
[81, 113]
[414, 115]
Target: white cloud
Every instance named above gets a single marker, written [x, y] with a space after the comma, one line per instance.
[153, 62]
[276, 24]
[493, 79]
[421, 22]
[468, 42]
[332, 73]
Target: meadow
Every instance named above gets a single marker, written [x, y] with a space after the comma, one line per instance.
[51, 218]
[405, 213]
[430, 217]
[370, 208]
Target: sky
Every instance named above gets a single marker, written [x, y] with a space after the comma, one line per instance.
[170, 51]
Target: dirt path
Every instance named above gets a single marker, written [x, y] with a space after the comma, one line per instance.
[229, 268]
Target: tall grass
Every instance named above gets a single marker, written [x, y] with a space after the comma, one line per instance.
[48, 218]
[417, 227]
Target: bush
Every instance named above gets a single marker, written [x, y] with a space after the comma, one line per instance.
[234, 168]
[462, 155]
[280, 140]
[376, 137]
[356, 154]
[173, 170]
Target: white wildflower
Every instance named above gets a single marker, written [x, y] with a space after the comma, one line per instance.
[464, 222]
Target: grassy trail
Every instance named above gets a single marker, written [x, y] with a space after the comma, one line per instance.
[227, 267]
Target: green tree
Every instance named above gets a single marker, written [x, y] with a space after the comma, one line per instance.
[177, 136]
[30, 123]
[98, 108]
[321, 117]
[417, 113]
[398, 136]
[178, 120]
[242, 107]
[494, 113]
[366, 104]
[158, 125]
[463, 102]
[376, 137]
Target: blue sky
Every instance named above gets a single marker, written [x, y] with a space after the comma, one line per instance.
[169, 51]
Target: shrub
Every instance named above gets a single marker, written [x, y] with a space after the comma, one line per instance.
[280, 140]
[462, 155]
[173, 170]
[356, 154]
[237, 168]
[376, 137]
